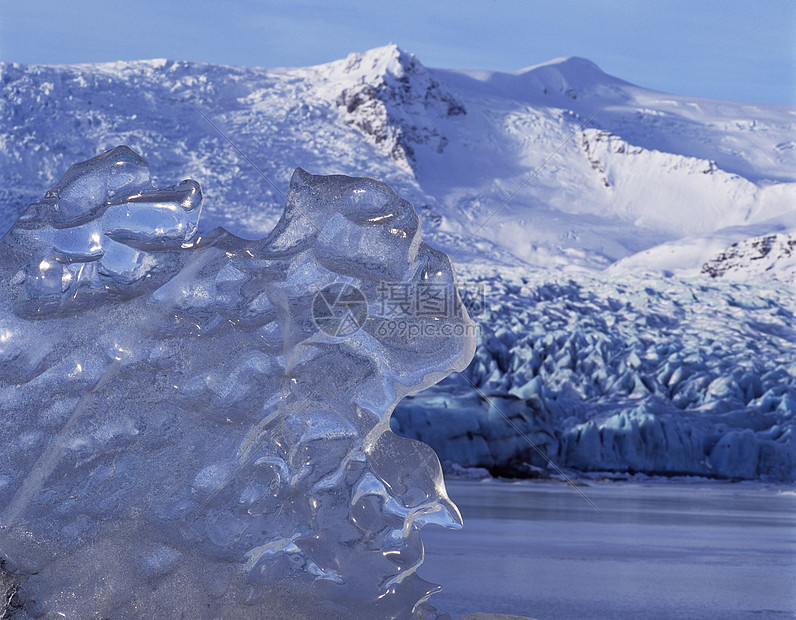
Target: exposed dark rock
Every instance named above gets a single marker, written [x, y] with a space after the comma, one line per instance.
[397, 107]
[772, 255]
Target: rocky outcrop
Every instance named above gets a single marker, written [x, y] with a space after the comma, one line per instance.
[771, 257]
[391, 98]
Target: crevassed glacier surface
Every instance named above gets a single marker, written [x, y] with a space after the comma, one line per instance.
[178, 434]
[630, 374]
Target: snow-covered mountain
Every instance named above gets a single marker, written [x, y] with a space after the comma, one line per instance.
[627, 169]
[527, 180]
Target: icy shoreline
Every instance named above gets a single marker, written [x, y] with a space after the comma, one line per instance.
[455, 474]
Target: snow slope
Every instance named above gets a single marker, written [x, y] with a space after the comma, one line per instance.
[552, 173]
[646, 168]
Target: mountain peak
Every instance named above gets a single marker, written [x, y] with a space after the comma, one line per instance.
[565, 63]
[572, 77]
[389, 51]
[379, 62]
[393, 99]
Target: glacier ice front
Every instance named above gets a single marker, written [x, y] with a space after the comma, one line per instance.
[201, 424]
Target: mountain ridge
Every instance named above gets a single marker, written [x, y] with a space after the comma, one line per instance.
[463, 146]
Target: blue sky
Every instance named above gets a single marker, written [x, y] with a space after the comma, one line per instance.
[730, 49]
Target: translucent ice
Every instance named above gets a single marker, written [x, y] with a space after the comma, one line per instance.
[202, 424]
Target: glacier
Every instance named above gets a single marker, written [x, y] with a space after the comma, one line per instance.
[184, 428]
[628, 375]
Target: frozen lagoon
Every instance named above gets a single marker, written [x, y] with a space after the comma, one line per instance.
[663, 550]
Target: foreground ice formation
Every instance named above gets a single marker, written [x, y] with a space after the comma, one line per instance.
[201, 424]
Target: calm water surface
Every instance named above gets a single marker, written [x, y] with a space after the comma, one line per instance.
[659, 550]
